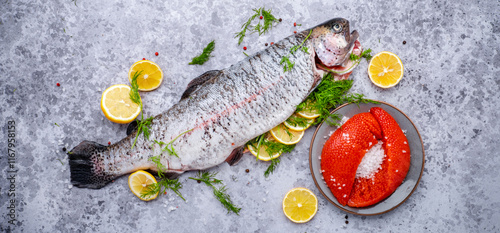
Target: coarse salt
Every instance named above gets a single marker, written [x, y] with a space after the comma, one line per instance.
[371, 162]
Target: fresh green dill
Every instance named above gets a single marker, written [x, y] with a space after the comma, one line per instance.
[272, 148]
[60, 161]
[14, 90]
[330, 94]
[57, 125]
[205, 55]
[134, 90]
[366, 54]
[143, 125]
[272, 166]
[163, 184]
[288, 65]
[269, 21]
[285, 60]
[296, 47]
[298, 121]
[169, 148]
[219, 192]
[245, 54]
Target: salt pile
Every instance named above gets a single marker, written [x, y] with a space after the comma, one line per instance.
[371, 162]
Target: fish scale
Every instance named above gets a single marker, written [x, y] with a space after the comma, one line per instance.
[218, 114]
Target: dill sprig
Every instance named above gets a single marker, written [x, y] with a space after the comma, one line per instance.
[134, 91]
[163, 184]
[272, 166]
[298, 121]
[288, 65]
[143, 126]
[272, 147]
[330, 94]
[366, 54]
[169, 148]
[205, 55]
[269, 21]
[219, 192]
[285, 60]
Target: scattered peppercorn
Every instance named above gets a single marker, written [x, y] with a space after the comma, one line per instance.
[404, 41]
[346, 222]
[295, 24]
[248, 170]
[346, 217]
[261, 17]
[58, 84]
[265, 44]
[244, 48]
[199, 181]
[280, 19]
[156, 53]
[64, 148]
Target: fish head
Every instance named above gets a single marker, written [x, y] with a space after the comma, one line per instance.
[333, 42]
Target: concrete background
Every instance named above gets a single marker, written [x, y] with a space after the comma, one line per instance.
[450, 90]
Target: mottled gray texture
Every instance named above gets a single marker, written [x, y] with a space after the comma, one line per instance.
[450, 90]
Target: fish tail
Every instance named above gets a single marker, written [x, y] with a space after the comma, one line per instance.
[86, 165]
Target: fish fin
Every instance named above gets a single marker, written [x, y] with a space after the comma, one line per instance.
[198, 81]
[235, 156]
[84, 168]
[131, 127]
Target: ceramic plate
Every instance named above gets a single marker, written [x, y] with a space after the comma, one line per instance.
[410, 183]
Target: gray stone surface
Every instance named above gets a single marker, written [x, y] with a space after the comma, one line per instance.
[450, 90]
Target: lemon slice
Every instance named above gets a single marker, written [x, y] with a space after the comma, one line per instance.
[385, 69]
[117, 105]
[286, 136]
[150, 75]
[298, 123]
[300, 205]
[309, 111]
[138, 183]
[263, 155]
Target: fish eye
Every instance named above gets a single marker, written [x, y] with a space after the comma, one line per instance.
[337, 27]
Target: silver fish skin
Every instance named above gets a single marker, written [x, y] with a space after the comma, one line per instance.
[221, 110]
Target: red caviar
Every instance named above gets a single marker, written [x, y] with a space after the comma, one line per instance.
[58, 84]
[156, 53]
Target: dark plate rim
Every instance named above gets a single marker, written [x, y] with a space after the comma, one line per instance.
[349, 211]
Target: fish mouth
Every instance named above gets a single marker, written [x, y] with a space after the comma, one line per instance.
[345, 64]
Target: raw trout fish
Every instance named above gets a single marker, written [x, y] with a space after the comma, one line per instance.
[221, 110]
[347, 146]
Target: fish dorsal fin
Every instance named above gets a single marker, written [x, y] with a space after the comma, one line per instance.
[198, 81]
[131, 127]
[235, 156]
